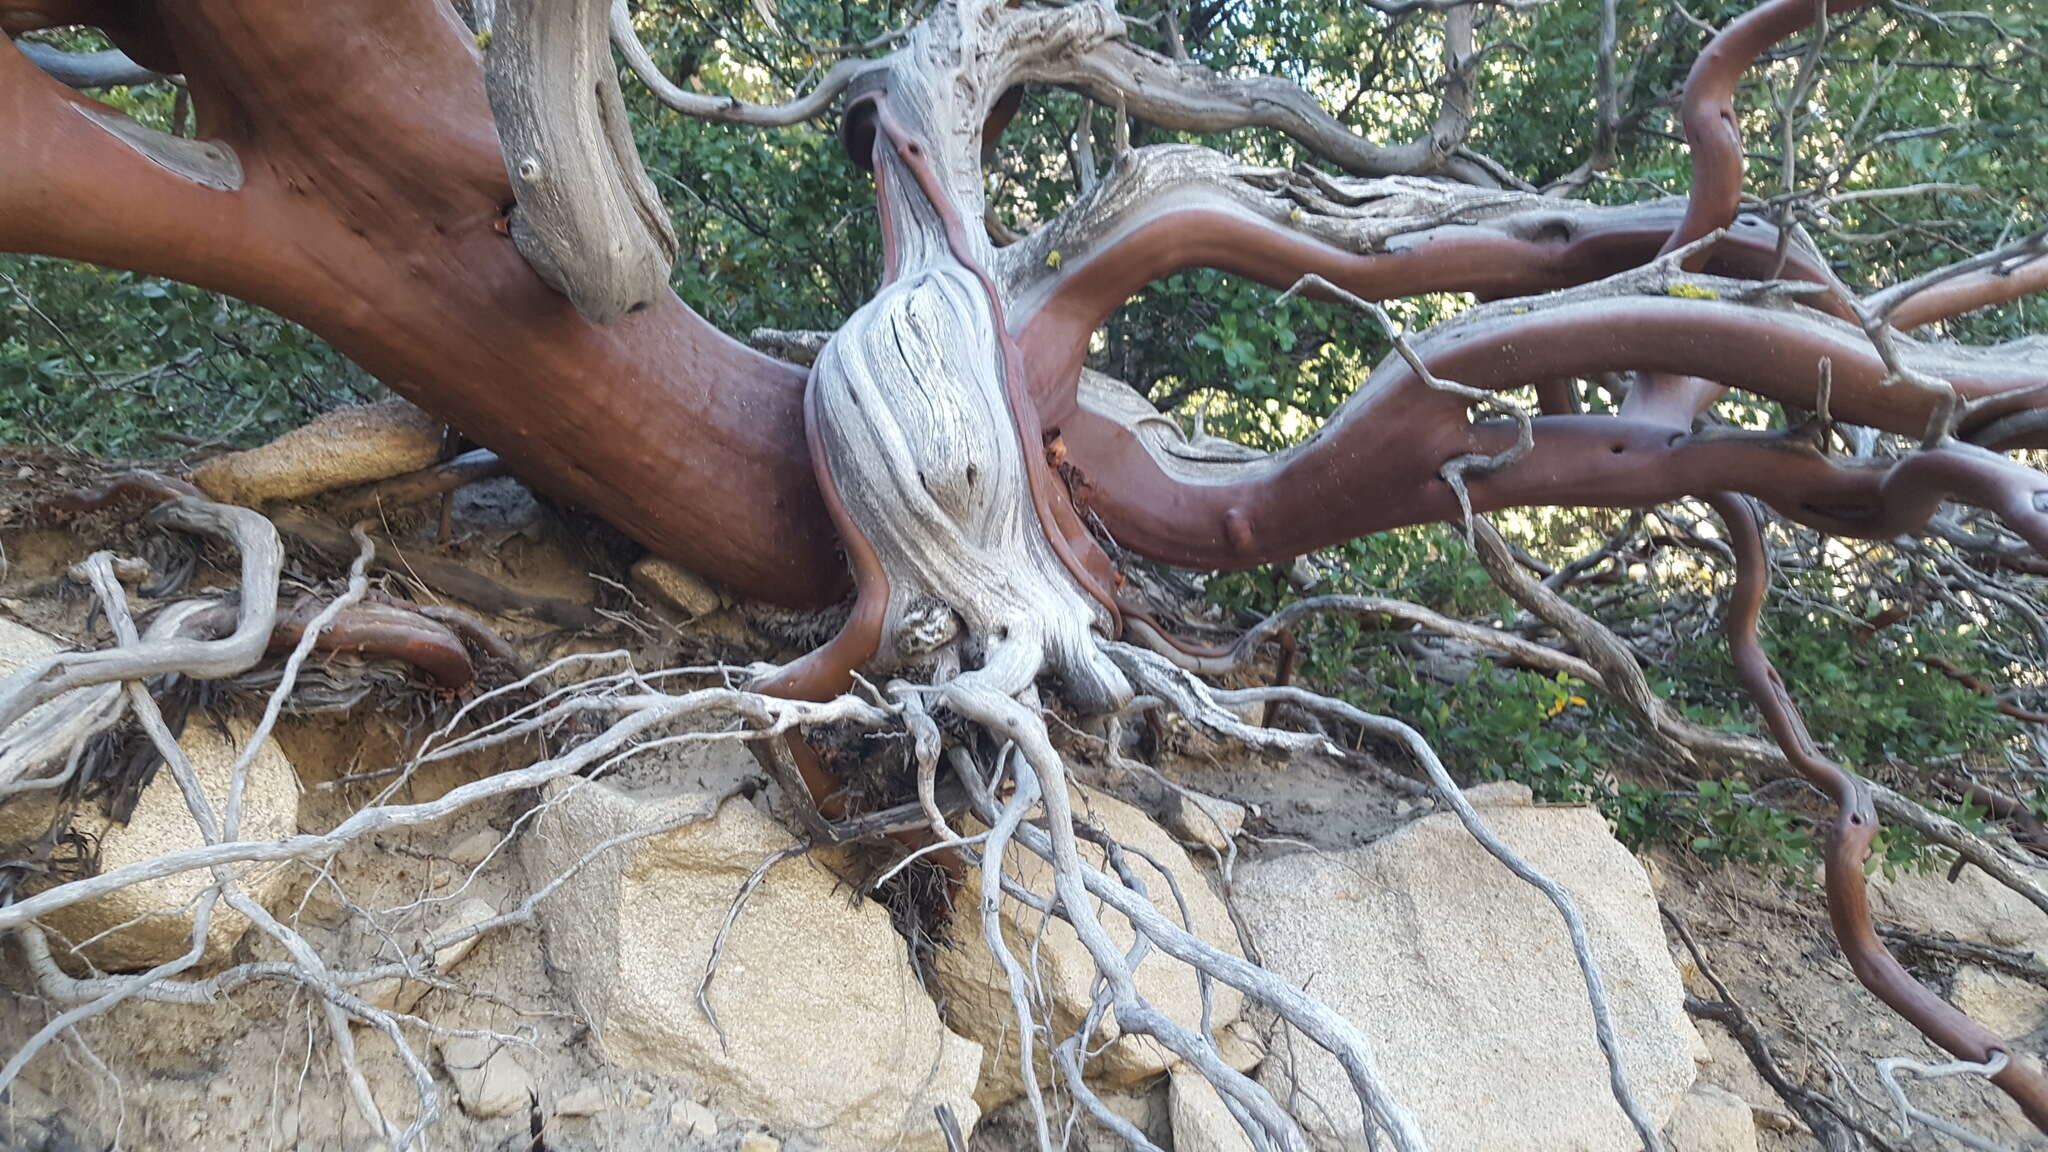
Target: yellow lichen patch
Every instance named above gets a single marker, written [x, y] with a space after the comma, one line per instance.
[1692, 292]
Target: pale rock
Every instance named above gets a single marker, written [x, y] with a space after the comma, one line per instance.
[1210, 821]
[826, 1028]
[338, 449]
[1775, 1119]
[1200, 1121]
[1711, 1119]
[585, 1101]
[759, 1142]
[149, 923]
[1141, 1109]
[678, 588]
[1973, 906]
[1464, 980]
[2005, 1004]
[475, 848]
[1730, 1066]
[21, 646]
[693, 1120]
[488, 1080]
[398, 994]
[1240, 1046]
[976, 992]
[1501, 794]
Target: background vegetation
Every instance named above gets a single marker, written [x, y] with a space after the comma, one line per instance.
[779, 230]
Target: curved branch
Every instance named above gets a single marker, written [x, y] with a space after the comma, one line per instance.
[1375, 465]
[262, 561]
[86, 182]
[588, 218]
[1993, 278]
[727, 109]
[1169, 207]
[1715, 140]
[1708, 109]
[1185, 96]
[138, 30]
[1849, 840]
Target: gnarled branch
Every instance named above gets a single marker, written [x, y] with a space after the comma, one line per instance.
[588, 218]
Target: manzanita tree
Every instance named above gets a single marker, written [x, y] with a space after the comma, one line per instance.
[454, 199]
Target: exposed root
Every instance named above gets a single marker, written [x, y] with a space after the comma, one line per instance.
[1454, 797]
[161, 653]
[1888, 1072]
[1006, 736]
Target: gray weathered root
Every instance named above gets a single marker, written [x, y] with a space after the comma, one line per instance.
[1031, 813]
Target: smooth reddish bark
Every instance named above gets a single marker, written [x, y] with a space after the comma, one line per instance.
[369, 212]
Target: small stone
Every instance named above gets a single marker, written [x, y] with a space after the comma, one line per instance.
[1206, 820]
[1138, 1109]
[1772, 1120]
[692, 1119]
[678, 588]
[1973, 906]
[585, 1101]
[1240, 1046]
[488, 1081]
[1501, 794]
[1711, 1119]
[640, 1099]
[339, 449]
[475, 848]
[759, 1142]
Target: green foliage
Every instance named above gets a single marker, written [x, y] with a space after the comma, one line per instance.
[1737, 828]
[1868, 698]
[110, 362]
[121, 364]
[779, 229]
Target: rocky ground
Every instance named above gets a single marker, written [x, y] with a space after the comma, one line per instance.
[582, 1018]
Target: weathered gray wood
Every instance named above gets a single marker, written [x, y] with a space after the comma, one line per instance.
[587, 217]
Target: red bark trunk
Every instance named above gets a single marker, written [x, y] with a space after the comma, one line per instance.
[372, 190]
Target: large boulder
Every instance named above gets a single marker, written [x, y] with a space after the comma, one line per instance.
[825, 1029]
[977, 992]
[1972, 905]
[338, 449]
[1999, 1001]
[149, 923]
[1464, 979]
